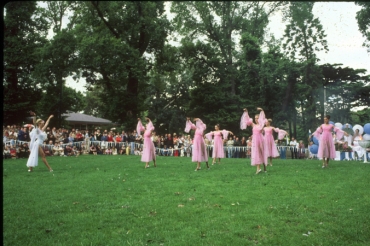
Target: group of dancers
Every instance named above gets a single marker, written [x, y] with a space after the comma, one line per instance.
[263, 144]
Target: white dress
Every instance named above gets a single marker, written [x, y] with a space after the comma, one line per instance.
[37, 139]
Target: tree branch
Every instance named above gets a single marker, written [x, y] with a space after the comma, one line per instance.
[101, 15]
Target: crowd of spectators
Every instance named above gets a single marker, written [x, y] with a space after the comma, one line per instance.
[75, 142]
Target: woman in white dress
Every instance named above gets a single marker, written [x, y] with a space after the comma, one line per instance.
[38, 136]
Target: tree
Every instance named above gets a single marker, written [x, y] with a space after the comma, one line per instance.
[363, 20]
[215, 25]
[210, 32]
[57, 61]
[93, 103]
[58, 58]
[117, 44]
[24, 32]
[346, 88]
[72, 100]
[361, 117]
[169, 84]
[304, 36]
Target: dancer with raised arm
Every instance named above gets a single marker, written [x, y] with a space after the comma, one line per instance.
[148, 149]
[270, 146]
[257, 155]
[38, 136]
[326, 144]
[199, 148]
[218, 144]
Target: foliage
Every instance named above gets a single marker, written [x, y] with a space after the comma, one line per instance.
[116, 44]
[224, 62]
[363, 20]
[72, 101]
[346, 88]
[304, 36]
[210, 31]
[24, 32]
[361, 117]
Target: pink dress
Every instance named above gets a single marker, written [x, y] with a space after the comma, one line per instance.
[148, 153]
[199, 148]
[257, 154]
[218, 144]
[326, 143]
[270, 146]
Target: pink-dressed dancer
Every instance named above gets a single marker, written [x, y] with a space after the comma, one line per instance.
[218, 144]
[326, 144]
[270, 146]
[199, 148]
[148, 149]
[257, 155]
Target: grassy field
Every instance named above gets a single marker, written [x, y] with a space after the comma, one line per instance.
[113, 200]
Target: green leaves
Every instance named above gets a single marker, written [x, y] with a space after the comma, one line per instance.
[363, 20]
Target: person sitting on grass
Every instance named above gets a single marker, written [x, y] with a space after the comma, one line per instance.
[122, 150]
[21, 151]
[137, 151]
[165, 151]
[69, 150]
[93, 150]
[99, 150]
[6, 152]
[13, 152]
[76, 152]
[56, 149]
[114, 151]
[108, 151]
[84, 149]
[46, 149]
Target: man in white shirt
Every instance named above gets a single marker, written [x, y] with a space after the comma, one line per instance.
[294, 148]
[348, 138]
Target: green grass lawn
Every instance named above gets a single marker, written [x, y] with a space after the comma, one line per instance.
[113, 200]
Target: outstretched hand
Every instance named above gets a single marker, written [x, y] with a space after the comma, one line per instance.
[245, 109]
[260, 109]
[51, 116]
[138, 119]
[32, 113]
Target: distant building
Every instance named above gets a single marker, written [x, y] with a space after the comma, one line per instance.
[84, 121]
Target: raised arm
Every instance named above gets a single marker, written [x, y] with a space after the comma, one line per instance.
[47, 122]
[245, 120]
[189, 125]
[200, 125]
[149, 125]
[261, 119]
[139, 128]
